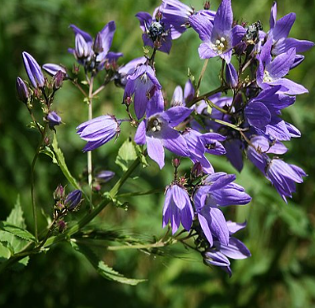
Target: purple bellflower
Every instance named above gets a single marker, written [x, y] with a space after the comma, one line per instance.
[177, 208]
[219, 190]
[218, 254]
[142, 84]
[53, 119]
[218, 38]
[179, 98]
[271, 72]
[198, 144]
[155, 34]
[127, 70]
[33, 70]
[94, 54]
[157, 132]
[279, 31]
[283, 176]
[98, 131]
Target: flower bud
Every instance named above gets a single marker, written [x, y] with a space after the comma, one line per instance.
[98, 47]
[58, 79]
[105, 176]
[231, 76]
[176, 162]
[82, 49]
[22, 90]
[52, 69]
[62, 225]
[73, 199]
[59, 192]
[33, 70]
[53, 119]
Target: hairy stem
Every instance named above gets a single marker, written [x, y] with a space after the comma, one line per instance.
[89, 153]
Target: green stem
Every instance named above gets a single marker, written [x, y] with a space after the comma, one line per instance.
[89, 153]
[215, 106]
[33, 180]
[206, 95]
[141, 193]
[202, 74]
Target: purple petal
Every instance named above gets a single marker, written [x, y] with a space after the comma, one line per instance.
[235, 249]
[178, 97]
[206, 52]
[234, 226]
[231, 76]
[87, 37]
[273, 15]
[205, 228]
[290, 87]
[281, 64]
[175, 115]
[238, 33]
[257, 114]
[140, 136]
[156, 150]
[283, 45]
[174, 141]
[283, 26]
[224, 17]
[218, 226]
[202, 25]
[107, 34]
[155, 104]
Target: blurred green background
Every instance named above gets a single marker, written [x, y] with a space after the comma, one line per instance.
[281, 271]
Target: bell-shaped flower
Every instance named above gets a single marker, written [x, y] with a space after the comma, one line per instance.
[53, 119]
[157, 132]
[283, 176]
[33, 70]
[218, 38]
[198, 144]
[98, 131]
[177, 208]
[142, 84]
[219, 190]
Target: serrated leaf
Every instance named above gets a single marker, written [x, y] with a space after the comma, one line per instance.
[62, 164]
[49, 152]
[15, 230]
[126, 155]
[103, 269]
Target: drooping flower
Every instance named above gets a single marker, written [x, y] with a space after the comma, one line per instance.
[219, 190]
[218, 38]
[98, 131]
[284, 176]
[157, 132]
[218, 254]
[177, 208]
[53, 119]
[33, 70]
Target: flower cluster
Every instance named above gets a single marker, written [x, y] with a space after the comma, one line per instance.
[244, 122]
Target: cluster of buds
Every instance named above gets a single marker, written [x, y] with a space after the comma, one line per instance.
[65, 204]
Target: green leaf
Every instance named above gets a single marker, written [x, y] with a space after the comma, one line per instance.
[14, 229]
[142, 157]
[49, 152]
[62, 164]
[126, 154]
[103, 269]
[22, 233]
[5, 252]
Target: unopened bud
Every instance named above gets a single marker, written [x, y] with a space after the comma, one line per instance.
[59, 192]
[73, 199]
[207, 5]
[22, 90]
[105, 176]
[33, 70]
[176, 162]
[196, 170]
[53, 119]
[58, 79]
